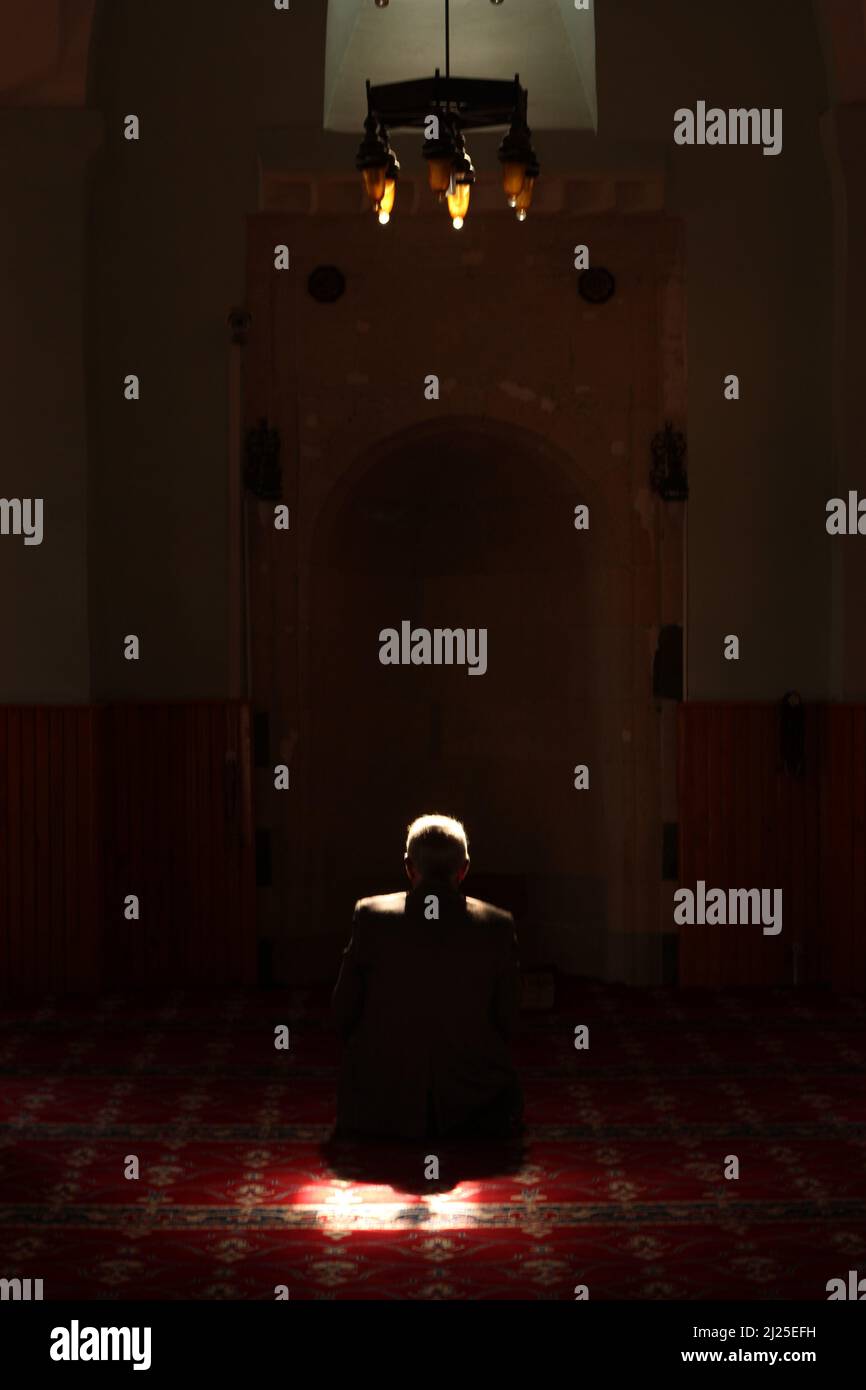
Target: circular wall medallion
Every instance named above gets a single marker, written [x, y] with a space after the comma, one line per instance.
[596, 285]
[326, 284]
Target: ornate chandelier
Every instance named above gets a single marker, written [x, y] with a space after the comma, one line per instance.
[445, 108]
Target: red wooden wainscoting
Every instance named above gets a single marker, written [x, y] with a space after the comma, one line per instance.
[843, 843]
[100, 803]
[49, 853]
[176, 791]
[745, 823]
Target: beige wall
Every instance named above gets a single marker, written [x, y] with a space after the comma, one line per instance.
[165, 250]
[166, 264]
[43, 588]
[842, 27]
[758, 291]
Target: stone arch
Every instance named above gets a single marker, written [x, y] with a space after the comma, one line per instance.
[378, 745]
[497, 429]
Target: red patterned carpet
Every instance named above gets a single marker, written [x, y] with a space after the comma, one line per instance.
[620, 1186]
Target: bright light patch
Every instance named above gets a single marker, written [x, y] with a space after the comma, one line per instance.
[340, 1206]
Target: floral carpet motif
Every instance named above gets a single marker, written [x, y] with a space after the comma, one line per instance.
[619, 1183]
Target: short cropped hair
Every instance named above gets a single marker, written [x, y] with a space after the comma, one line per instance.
[437, 846]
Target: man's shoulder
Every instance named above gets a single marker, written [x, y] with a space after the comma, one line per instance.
[384, 905]
[487, 915]
[381, 905]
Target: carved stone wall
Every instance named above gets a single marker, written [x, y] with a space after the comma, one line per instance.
[461, 509]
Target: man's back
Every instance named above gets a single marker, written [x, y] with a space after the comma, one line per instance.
[426, 1006]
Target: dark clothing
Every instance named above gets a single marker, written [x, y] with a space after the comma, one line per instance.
[426, 1010]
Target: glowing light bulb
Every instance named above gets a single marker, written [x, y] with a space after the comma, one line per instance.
[385, 205]
[458, 203]
[521, 214]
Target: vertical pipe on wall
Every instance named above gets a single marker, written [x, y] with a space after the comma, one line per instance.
[238, 568]
[686, 601]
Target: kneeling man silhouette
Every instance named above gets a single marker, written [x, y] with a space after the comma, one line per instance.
[427, 1002]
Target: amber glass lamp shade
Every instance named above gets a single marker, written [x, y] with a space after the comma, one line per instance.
[513, 179]
[375, 179]
[439, 174]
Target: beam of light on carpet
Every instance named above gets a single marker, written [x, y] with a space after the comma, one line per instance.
[368, 1206]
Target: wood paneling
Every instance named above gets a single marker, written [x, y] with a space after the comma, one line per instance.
[49, 883]
[746, 823]
[843, 814]
[98, 803]
[178, 835]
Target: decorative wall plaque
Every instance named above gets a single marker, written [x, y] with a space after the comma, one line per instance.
[326, 284]
[596, 285]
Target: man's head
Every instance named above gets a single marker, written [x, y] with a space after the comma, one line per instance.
[436, 848]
